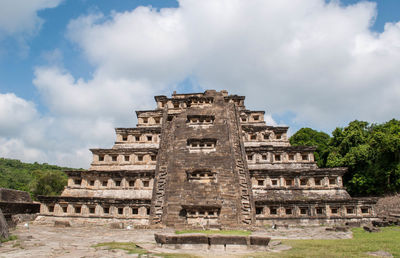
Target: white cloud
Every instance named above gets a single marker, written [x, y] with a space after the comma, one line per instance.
[102, 96]
[15, 113]
[19, 21]
[20, 16]
[316, 60]
[16, 148]
[319, 62]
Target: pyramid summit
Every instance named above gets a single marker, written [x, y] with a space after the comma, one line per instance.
[204, 160]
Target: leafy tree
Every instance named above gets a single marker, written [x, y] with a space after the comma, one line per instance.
[49, 182]
[310, 137]
[370, 151]
[34, 178]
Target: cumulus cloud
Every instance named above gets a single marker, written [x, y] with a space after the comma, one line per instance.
[15, 113]
[19, 22]
[26, 134]
[317, 61]
[102, 96]
[20, 16]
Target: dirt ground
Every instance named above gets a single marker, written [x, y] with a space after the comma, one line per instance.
[49, 241]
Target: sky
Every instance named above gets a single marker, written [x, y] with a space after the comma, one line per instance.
[73, 70]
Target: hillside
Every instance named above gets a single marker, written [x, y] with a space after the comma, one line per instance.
[34, 178]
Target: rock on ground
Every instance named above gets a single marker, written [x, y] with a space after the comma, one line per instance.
[380, 254]
[3, 226]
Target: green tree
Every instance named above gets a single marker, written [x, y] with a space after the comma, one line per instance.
[310, 137]
[49, 182]
[34, 178]
[371, 152]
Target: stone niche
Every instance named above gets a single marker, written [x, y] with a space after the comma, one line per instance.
[200, 121]
[201, 176]
[202, 145]
[202, 216]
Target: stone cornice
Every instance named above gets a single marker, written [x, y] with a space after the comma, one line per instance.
[113, 173]
[259, 128]
[138, 130]
[318, 201]
[91, 200]
[247, 111]
[266, 148]
[148, 113]
[300, 172]
[122, 151]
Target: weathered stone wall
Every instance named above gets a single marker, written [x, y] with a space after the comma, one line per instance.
[10, 195]
[212, 153]
[136, 210]
[204, 160]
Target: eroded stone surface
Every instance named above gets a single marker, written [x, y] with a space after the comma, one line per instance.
[202, 160]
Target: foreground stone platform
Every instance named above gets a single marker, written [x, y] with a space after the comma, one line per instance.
[214, 242]
[78, 240]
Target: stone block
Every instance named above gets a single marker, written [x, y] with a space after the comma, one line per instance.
[193, 239]
[353, 224]
[181, 239]
[62, 224]
[117, 225]
[259, 240]
[3, 226]
[227, 240]
[160, 238]
[371, 229]
[11, 195]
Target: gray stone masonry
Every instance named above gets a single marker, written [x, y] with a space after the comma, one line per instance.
[202, 160]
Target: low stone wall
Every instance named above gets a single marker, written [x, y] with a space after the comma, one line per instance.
[79, 221]
[311, 221]
[217, 242]
[11, 209]
[10, 195]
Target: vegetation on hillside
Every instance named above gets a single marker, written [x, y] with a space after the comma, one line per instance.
[370, 151]
[36, 179]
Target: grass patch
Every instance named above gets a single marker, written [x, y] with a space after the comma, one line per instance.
[130, 247]
[362, 242]
[213, 232]
[10, 238]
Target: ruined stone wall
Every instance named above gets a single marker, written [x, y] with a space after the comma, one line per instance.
[11, 195]
[202, 183]
[204, 160]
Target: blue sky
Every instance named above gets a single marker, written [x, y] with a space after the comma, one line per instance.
[71, 71]
[16, 71]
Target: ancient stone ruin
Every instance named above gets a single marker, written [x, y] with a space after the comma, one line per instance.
[17, 206]
[204, 160]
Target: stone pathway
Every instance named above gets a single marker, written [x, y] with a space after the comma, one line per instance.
[304, 233]
[49, 241]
